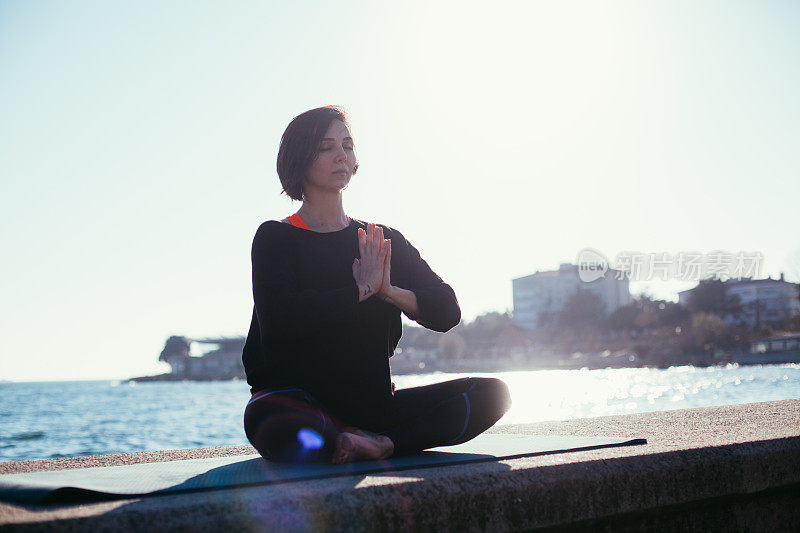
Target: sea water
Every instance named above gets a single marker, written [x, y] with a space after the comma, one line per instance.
[61, 419]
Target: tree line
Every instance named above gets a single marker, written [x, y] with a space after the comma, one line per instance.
[659, 332]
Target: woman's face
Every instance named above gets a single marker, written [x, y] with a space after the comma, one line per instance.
[335, 162]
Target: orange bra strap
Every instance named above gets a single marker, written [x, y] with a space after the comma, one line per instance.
[295, 220]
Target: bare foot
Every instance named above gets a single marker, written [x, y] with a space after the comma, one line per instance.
[360, 432]
[360, 445]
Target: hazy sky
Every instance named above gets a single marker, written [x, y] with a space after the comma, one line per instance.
[138, 144]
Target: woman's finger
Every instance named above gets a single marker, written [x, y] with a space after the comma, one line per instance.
[367, 240]
[376, 242]
[387, 274]
[367, 243]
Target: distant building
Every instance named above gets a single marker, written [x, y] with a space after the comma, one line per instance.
[222, 358]
[762, 300]
[779, 343]
[548, 291]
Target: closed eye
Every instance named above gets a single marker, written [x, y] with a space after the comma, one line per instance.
[326, 148]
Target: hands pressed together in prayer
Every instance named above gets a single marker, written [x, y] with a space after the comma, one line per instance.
[372, 271]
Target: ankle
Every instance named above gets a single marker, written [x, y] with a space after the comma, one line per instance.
[389, 446]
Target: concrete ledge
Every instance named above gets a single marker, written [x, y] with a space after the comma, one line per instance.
[732, 468]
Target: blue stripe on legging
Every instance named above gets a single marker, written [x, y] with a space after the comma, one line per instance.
[466, 418]
[256, 398]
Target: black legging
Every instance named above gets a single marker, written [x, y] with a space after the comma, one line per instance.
[290, 425]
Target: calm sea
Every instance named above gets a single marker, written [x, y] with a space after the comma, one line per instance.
[62, 419]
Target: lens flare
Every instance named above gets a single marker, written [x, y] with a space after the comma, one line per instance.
[310, 439]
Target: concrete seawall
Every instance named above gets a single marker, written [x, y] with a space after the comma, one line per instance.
[727, 468]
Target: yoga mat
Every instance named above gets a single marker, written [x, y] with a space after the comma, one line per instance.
[191, 475]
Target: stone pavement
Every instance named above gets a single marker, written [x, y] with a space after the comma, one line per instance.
[727, 468]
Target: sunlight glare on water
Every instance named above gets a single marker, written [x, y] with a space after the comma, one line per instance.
[565, 394]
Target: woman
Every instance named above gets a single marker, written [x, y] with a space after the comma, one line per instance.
[328, 291]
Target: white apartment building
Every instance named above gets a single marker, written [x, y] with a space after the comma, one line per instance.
[548, 291]
[762, 300]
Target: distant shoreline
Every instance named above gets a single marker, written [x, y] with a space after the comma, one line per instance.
[472, 366]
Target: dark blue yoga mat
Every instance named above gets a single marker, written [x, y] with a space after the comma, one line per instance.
[150, 479]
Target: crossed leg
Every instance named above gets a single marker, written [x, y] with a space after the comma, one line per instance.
[291, 426]
[445, 413]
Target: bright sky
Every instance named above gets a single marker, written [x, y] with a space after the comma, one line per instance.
[138, 144]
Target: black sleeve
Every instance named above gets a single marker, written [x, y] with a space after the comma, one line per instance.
[284, 308]
[438, 306]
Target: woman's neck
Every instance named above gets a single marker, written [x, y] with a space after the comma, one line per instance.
[324, 216]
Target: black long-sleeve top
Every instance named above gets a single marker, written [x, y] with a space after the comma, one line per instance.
[308, 328]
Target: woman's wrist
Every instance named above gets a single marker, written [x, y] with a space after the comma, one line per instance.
[404, 299]
[386, 295]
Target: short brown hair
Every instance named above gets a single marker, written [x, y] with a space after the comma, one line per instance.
[300, 144]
